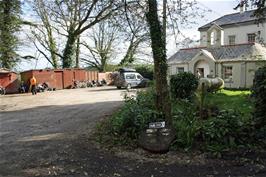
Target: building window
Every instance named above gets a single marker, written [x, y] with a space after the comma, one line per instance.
[228, 72]
[232, 40]
[251, 37]
[180, 69]
[212, 38]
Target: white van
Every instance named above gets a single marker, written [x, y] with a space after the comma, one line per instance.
[128, 78]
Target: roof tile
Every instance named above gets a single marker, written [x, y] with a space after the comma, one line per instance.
[234, 18]
[227, 52]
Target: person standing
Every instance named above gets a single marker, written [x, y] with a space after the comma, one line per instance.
[33, 83]
[198, 74]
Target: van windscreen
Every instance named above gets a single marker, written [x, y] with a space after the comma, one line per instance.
[130, 76]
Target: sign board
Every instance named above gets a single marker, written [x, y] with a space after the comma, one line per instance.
[157, 124]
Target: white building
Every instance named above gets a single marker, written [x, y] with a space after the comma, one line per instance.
[231, 47]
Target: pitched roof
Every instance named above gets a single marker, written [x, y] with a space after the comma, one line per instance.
[227, 52]
[230, 19]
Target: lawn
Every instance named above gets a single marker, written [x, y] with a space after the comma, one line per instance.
[235, 100]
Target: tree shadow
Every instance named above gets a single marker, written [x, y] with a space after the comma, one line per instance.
[38, 142]
[30, 137]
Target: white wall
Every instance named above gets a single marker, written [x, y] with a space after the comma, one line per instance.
[173, 68]
[239, 31]
[243, 73]
[203, 39]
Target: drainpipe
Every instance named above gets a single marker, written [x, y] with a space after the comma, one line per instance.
[245, 74]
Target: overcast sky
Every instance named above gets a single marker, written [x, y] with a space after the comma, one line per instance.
[218, 8]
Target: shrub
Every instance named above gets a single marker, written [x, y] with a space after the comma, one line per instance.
[259, 95]
[183, 85]
[134, 116]
[227, 130]
[145, 70]
[223, 130]
[186, 124]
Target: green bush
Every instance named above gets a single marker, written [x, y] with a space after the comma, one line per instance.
[183, 85]
[185, 123]
[259, 95]
[134, 116]
[145, 70]
[226, 131]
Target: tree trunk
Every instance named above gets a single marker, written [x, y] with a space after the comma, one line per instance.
[69, 51]
[54, 59]
[164, 21]
[9, 20]
[53, 49]
[77, 52]
[162, 102]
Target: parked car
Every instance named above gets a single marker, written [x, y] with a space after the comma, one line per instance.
[128, 78]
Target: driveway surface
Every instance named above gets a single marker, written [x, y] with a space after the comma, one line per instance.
[49, 134]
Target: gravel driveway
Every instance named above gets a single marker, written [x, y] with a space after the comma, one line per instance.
[34, 129]
[50, 135]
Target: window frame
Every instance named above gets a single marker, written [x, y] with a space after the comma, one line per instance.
[180, 68]
[251, 36]
[232, 37]
[226, 74]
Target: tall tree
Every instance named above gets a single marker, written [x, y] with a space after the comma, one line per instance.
[134, 30]
[10, 24]
[101, 45]
[43, 33]
[176, 15]
[77, 16]
[162, 103]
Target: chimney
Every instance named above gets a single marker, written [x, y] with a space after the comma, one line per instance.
[242, 6]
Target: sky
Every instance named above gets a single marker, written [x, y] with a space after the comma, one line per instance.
[218, 8]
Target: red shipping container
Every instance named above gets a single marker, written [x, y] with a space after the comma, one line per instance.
[59, 78]
[9, 80]
[41, 76]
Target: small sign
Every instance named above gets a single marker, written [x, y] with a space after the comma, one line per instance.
[157, 124]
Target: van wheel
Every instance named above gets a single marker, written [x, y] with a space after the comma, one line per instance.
[118, 87]
[128, 86]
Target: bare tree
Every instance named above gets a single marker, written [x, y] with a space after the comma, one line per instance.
[43, 34]
[134, 30]
[130, 33]
[101, 46]
[76, 16]
[69, 20]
